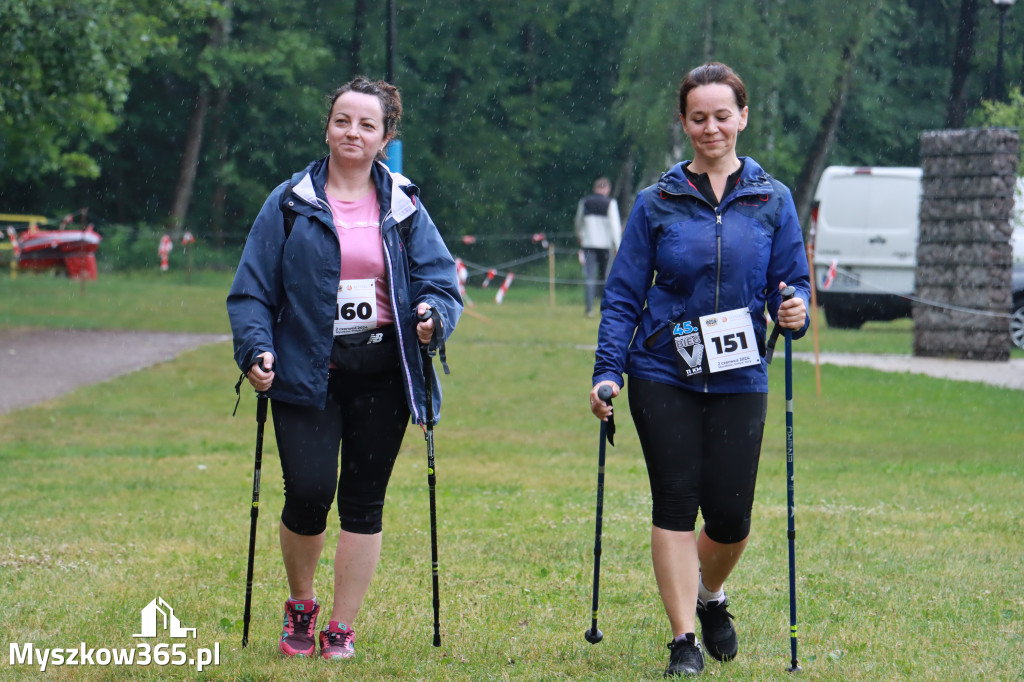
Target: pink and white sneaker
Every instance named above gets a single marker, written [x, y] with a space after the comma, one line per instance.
[299, 626]
[337, 642]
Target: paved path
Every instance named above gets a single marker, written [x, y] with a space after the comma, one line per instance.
[40, 364]
[36, 364]
[1006, 374]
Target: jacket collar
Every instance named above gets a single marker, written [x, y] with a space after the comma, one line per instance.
[402, 204]
[311, 181]
[753, 179]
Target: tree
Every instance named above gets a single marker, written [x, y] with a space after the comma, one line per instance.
[263, 106]
[821, 145]
[511, 110]
[66, 79]
[787, 72]
[219, 32]
[507, 112]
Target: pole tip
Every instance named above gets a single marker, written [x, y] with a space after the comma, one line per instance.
[593, 635]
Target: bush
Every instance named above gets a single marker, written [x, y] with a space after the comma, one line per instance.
[125, 248]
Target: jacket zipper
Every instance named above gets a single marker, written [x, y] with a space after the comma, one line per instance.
[718, 269]
[406, 370]
[718, 248]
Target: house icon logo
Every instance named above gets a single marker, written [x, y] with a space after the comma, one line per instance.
[159, 613]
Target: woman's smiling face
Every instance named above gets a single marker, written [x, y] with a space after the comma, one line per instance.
[712, 121]
[355, 130]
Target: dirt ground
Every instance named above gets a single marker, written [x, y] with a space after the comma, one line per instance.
[42, 364]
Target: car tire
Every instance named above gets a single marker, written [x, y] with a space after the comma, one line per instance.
[1017, 323]
[841, 317]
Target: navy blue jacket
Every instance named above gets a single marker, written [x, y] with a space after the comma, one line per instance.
[284, 295]
[681, 258]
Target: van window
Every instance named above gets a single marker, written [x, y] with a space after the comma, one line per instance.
[861, 202]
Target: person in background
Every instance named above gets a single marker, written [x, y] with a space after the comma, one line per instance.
[716, 236]
[338, 268]
[599, 230]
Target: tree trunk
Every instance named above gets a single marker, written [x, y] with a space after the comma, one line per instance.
[708, 28]
[218, 201]
[956, 106]
[355, 43]
[194, 141]
[190, 160]
[803, 193]
[624, 188]
[814, 164]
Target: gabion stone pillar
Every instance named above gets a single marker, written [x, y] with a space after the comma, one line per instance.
[964, 256]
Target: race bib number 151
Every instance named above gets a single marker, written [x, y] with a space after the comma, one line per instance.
[729, 340]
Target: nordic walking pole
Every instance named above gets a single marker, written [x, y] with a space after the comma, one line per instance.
[593, 635]
[769, 350]
[261, 418]
[428, 376]
[787, 294]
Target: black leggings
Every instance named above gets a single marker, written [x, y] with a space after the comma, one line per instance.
[702, 451]
[367, 416]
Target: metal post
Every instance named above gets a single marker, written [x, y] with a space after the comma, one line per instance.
[1000, 84]
[392, 39]
[1000, 89]
[551, 274]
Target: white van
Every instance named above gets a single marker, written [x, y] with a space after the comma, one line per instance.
[866, 221]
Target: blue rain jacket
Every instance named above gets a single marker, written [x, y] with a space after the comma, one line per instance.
[681, 258]
[284, 295]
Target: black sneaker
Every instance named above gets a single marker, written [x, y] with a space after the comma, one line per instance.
[686, 658]
[716, 629]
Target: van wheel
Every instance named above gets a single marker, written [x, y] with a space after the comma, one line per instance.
[843, 318]
[1017, 324]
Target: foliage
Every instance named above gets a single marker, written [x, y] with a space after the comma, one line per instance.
[66, 79]
[511, 110]
[134, 248]
[1008, 114]
[788, 73]
[508, 121]
[900, 64]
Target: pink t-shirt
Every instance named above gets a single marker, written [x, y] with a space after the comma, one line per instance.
[362, 252]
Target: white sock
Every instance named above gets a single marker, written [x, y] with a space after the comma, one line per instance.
[706, 595]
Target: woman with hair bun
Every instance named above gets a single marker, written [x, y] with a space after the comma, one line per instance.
[707, 250]
[326, 311]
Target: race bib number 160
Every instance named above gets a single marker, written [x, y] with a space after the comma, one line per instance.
[357, 306]
[729, 340]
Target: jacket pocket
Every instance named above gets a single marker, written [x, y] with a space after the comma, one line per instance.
[657, 335]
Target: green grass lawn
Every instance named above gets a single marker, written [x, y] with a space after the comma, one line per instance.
[908, 490]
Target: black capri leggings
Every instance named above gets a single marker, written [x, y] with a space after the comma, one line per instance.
[702, 451]
[367, 416]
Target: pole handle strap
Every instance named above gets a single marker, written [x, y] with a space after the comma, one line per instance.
[436, 344]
